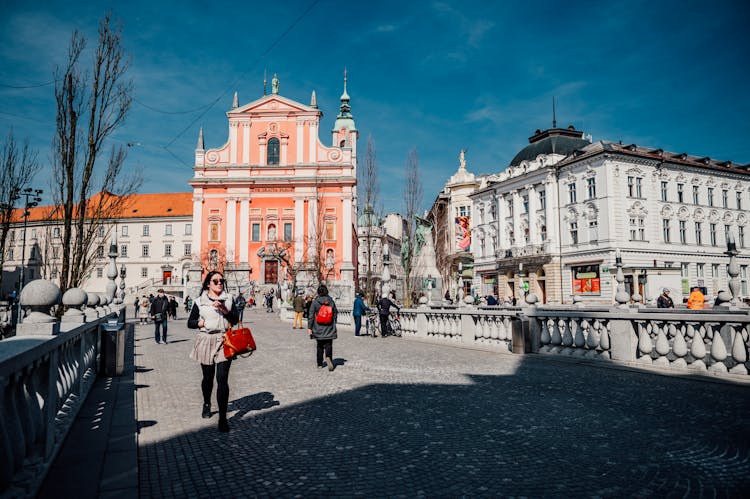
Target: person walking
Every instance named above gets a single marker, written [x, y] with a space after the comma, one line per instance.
[358, 311]
[213, 311]
[384, 309]
[172, 307]
[299, 309]
[137, 305]
[239, 304]
[664, 301]
[696, 299]
[143, 310]
[188, 304]
[159, 314]
[269, 301]
[321, 325]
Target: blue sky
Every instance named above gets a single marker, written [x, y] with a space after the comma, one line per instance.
[435, 76]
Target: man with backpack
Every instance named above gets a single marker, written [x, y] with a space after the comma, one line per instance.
[321, 325]
[384, 309]
[239, 304]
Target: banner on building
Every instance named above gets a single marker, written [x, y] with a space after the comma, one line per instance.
[463, 233]
[586, 279]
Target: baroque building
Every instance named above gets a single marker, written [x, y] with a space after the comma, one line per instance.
[273, 205]
[564, 206]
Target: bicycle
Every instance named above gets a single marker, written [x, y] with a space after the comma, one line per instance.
[394, 325]
[372, 324]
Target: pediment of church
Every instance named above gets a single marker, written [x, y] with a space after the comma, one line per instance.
[273, 104]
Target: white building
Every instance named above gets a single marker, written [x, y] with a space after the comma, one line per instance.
[153, 239]
[373, 234]
[564, 206]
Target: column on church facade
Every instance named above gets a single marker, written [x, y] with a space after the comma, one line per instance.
[517, 207]
[299, 228]
[233, 132]
[262, 152]
[231, 229]
[533, 230]
[313, 128]
[284, 146]
[244, 229]
[300, 140]
[346, 231]
[246, 142]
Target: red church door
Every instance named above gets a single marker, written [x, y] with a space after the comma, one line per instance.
[271, 272]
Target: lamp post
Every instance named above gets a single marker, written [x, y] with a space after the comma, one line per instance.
[32, 200]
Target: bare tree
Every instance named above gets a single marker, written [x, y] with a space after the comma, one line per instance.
[412, 202]
[92, 103]
[370, 185]
[19, 165]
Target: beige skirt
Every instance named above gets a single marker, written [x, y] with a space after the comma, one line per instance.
[208, 349]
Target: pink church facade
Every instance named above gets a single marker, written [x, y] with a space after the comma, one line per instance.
[274, 204]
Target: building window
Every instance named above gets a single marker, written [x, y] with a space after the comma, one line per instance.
[525, 204]
[273, 151]
[743, 280]
[573, 232]
[144, 271]
[664, 191]
[33, 233]
[741, 236]
[188, 229]
[724, 198]
[124, 231]
[712, 234]
[684, 269]
[698, 233]
[543, 199]
[637, 229]
[168, 230]
[586, 279]
[635, 187]
[167, 249]
[255, 233]
[700, 270]
[55, 251]
[100, 231]
[683, 232]
[572, 192]
[542, 234]
[593, 230]
[123, 271]
[695, 194]
[287, 231]
[727, 230]
[510, 207]
[330, 230]
[99, 251]
[710, 196]
[56, 232]
[463, 211]
[124, 250]
[188, 249]
[271, 232]
[144, 250]
[665, 230]
[146, 230]
[591, 187]
[714, 270]
[739, 200]
[99, 273]
[680, 193]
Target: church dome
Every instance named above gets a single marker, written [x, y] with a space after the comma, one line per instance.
[553, 141]
[368, 218]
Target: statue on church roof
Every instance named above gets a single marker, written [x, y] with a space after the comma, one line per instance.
[275, 84]
[462, 159]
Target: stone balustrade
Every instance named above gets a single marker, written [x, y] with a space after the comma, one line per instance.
[46, 371]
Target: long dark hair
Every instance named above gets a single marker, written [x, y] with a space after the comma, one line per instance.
[207, 280]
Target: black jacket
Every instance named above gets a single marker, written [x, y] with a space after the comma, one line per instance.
[160, 305]
[384, 306]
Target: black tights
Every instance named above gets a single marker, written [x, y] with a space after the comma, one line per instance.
[324, 347]
[222, 384]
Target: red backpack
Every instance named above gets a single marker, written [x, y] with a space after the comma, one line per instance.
[325, 314]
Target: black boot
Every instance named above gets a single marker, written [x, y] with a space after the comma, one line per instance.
[206, 411]
[223, 424]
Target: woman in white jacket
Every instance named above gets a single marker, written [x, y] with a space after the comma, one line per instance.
[213, 311]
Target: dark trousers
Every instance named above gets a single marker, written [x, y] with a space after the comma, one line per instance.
[324, 346]
[221, 370]
[384, 325]
[357, 324]
[163, 324]
[241, 312]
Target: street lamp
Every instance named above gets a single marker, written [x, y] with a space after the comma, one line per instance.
[32, 200]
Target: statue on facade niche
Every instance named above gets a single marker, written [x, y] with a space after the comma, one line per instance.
[275, 84]
[462, 159]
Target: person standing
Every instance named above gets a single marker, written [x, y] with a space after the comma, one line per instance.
[384, 308]
[696, 299]
[137, 306]
[664, 301]
[159, 312]
[144, 309]
[321, 325]
[299, 309]
[213, 311]
[269, 301]
[239, 304]
[358, 311]
[172, 307]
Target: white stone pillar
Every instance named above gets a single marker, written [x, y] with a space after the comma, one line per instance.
[550, 215]
[231, 229]
[502, 234]
[300, 140]
[244, 229]
[284, 145]
[246, 142]
[233, 133]
[299, 228]
[346, 232]
[312, 221]
[262, 152]
[197, 224]
[533, 231]
[313, 142]
[516, 197]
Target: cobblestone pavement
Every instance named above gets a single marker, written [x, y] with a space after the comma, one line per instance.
[403, 418]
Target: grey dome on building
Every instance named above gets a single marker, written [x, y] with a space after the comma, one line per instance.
[368, 218]
[553, 141]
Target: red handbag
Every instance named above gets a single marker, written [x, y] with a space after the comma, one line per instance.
[238, 341]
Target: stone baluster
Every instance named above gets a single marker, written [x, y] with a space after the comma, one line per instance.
[645, 345]
[39, 296]
[91, 312]
[621, 297]
[718, 351]
[604, 342]
[698, 351]
[739, 352]
[661, 347]
[679, 349]
[733, 269]
[546, 337]
[74, 299]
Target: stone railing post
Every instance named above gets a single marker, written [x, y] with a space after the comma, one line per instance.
[74, 299]
[39, 296]
[623, 340]
[421, 318]
[468, 326]
[535, 333]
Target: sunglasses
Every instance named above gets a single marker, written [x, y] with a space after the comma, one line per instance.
[218, 281]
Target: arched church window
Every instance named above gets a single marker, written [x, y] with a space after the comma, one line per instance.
[273, 151]
[271, 232]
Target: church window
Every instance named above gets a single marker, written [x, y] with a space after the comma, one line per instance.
[255, 235]
[213, 232]
[288, 231]
[273, 151]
